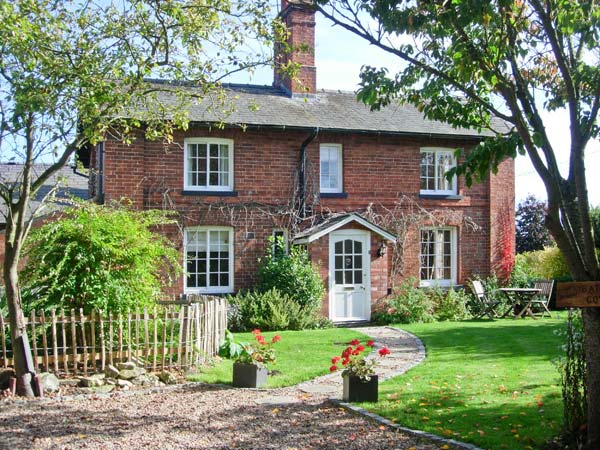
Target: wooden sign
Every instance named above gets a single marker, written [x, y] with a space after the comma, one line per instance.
[580, 294]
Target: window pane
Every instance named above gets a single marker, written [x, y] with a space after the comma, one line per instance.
[339, 277]
[358, 277]
[348, 277]
[339, 247]
[224, 279]
[348, 246]
[339, 262]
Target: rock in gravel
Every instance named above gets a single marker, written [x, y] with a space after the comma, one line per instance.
[105, 389]
[127, 365]
[146, 380]
[167, 377]
[124, 383]
[49, 382]
[111, 371]
[90, 382]
[5, 376]
[128, 374]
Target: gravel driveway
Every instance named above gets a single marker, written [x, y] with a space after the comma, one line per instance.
[193, 416]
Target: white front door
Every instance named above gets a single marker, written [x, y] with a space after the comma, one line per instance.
[349, 275]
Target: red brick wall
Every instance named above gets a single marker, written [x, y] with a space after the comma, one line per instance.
[377, 169]
[502, 219]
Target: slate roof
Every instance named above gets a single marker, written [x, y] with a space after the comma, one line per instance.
[266, 106]
[72, 183]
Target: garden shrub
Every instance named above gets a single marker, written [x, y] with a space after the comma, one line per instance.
[450, 304]
[523, 273]
[292, 274]
[98, 257]
[572, 368]
[409, 305]
[548, 264]
[271, 310]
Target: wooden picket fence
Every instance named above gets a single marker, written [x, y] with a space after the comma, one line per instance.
[167, 336]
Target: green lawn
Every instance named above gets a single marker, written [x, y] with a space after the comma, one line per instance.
[489, 383]
[301, 355]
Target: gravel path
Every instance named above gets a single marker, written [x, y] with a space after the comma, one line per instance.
[197, 416]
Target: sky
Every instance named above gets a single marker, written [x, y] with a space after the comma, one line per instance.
[339, 56]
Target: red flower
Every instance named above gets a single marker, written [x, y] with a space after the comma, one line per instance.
[335, 360]
[355, 352]
[345, 361]
[276, 338]
[384, 351]
[354, 342]
[333, 368]
[346, 353]
[261, 339]
[370, 344]
[360, 348]
[256, 332]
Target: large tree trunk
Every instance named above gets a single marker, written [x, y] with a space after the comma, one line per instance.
[591, 321]
[24, 368]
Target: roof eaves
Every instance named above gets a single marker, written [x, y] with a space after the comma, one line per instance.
[340, 223]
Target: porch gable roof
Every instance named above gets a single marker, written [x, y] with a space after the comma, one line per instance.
[331, 224]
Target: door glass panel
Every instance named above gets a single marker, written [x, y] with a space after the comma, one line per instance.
[339, 277]
[348, 277]
[348, 262]
[348, 246]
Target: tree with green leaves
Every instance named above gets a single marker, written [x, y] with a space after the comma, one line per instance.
[75, 71]
[531, 232]
[470, 63]
[97, 257]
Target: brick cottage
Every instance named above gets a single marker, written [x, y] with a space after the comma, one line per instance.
[363, 191]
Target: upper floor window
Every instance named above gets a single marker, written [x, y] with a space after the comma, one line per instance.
[208, 164]
[438, 256]
[435, 162]
[331, 168]
[208, 260]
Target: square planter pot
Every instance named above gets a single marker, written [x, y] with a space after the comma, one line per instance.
[358, 390]
[249, 375]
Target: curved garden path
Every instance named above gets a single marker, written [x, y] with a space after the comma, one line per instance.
[198, 416]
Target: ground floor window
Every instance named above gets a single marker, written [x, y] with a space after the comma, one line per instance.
[438, 256]
[208, 260]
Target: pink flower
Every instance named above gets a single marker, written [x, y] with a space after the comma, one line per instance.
[370, 344]
[261, 339]
[384, 351]
[256, 332]
[354, 342]
[333, 368]
[335, 360]
[276, 338]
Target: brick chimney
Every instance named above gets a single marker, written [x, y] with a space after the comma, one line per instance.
[299, 18]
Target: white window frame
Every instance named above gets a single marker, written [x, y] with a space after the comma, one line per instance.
[438, 255]
[436, 151]
[340, 187]
[206, 187]
[208, 289]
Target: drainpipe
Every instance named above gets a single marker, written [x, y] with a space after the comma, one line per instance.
[302, 175]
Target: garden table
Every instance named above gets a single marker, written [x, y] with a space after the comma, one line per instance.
[521, 298]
